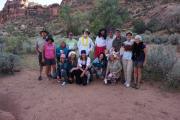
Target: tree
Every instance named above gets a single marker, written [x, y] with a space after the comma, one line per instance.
[107, 14]
[139, 26]
[66, 17]
[74, 22]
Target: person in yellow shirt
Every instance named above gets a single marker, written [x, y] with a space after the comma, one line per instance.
[71, 43]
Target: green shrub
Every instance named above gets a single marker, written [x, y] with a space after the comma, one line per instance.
[73, 22]
[107, 14]
[148, 39]
[160, 61]
[139, 26]
[174, 39]
[9, 63]
[160, 39]
[172, 81]
[14, 44]
[154, 25]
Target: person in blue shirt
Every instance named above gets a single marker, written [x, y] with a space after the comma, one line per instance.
[62, 49]
[99, 66]
[62, 69]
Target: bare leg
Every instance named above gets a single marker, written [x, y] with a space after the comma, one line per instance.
[40, 72]
[139, 77]
[48, 70]
[135, 75]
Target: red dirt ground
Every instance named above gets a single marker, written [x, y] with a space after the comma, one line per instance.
[29, 99]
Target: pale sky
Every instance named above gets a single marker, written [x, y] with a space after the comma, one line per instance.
[43, 2]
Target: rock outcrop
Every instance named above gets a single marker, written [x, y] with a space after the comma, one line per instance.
[19, 8]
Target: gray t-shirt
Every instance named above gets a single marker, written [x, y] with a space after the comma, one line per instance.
[40, 44]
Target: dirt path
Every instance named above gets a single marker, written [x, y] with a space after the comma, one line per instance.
[29, 99]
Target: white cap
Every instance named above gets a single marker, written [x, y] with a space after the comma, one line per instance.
[138, 37]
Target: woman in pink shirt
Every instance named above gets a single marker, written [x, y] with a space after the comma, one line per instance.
[49, 53]
[100, 43]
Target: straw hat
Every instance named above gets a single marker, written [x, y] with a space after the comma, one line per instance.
[71, 53]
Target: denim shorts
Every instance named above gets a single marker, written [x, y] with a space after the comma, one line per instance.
[138, 64]
[50, 61]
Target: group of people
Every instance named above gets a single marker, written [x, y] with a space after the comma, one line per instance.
[115, 58]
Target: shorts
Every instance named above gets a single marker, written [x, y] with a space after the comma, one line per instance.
[138, 64]
[50, 61]
[41, 63]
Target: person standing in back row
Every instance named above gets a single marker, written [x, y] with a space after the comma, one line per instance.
[49, 53]
[127, 59]
[71, 43]
[100, 43]
[39, 49]
[139, 57]
[118, 41]
[109, 40]
[85, 43]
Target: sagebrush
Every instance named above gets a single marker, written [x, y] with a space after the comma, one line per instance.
[9, 62]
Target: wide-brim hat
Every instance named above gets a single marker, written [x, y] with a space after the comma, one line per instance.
[45, 31]
[50, 38]
[71, 53]
[114, 54]
[117, 29]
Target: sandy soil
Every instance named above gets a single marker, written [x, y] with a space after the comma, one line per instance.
[29, 99]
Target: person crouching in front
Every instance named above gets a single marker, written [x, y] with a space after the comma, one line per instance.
[72, 66]
[83, 72]
[99, 66]
[62, 70]
[113, 70]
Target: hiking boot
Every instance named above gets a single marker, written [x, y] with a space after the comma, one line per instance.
[50, 77]
[138, 86]
[134, 85]
[39, 78]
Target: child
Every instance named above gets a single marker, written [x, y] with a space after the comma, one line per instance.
[62, 70]
[99, 65]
